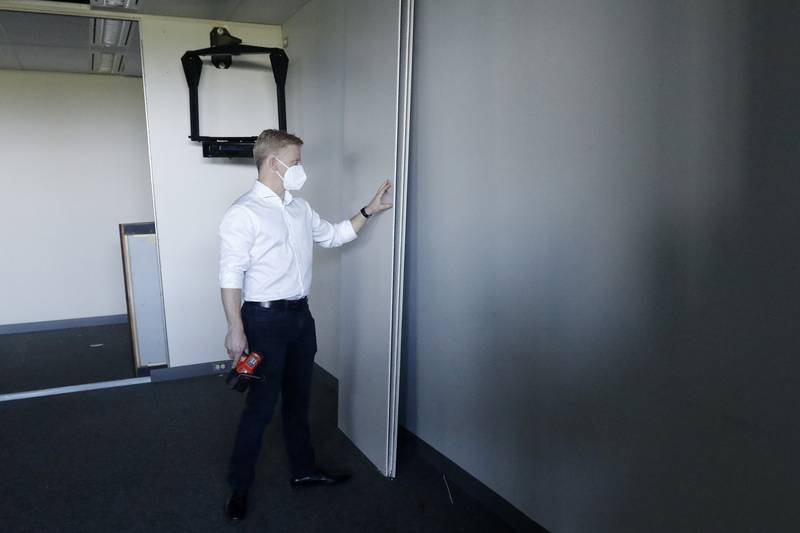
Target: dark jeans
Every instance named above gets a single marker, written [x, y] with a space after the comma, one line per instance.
[288, 341]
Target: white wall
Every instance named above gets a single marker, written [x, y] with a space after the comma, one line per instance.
[191, 193]
[74, 166]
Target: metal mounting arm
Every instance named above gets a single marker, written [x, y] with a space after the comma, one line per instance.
[192, 68]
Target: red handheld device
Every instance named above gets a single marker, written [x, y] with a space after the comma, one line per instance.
[243, 371]
[248, 363]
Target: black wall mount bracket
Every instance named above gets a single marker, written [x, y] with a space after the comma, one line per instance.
[223, 47]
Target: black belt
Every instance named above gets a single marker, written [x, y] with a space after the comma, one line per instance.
[292, 305]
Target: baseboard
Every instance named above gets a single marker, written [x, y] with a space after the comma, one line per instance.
[217, 368]
[24, 395]
[190, 371]
[48, 325]
[145, 371]
[516, 519]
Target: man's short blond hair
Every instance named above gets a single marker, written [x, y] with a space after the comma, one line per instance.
[270, 142]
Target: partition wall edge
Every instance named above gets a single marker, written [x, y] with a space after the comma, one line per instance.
[404, 69]
[153, 193]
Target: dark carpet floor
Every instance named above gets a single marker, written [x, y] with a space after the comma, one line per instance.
[45, 359]
[152, 458]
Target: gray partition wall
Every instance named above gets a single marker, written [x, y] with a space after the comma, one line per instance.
[343, 100]
[602, 258]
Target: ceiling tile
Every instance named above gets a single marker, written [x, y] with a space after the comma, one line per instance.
[133, 65]
[266, 12]
[133, 44]
[202, 9]
[254, 11]
[8, 57]
[44, 30]
[55, 43]
[53, 59]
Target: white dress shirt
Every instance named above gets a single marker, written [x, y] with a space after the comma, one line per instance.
[266, 245]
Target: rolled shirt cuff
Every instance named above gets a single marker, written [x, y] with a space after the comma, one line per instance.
[348, 233]
[231, 280]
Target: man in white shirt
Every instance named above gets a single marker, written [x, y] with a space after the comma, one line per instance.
[266, 247]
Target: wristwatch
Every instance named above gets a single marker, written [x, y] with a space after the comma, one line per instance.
[364, 212]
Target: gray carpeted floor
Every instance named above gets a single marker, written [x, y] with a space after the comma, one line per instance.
[151, 458]
[56, 358]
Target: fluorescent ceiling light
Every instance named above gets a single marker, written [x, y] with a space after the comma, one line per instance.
[106, 63]
[111, 33]
[109, 44]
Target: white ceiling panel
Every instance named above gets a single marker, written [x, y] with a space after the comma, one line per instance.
[42, 30]
[199, 9]
[35, 41]
[53, 59]
[255, 11]
[276, 12]
[132, 66]
[8, 58]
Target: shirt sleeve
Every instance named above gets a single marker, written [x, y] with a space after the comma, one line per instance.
[330, 235]
[236, 235]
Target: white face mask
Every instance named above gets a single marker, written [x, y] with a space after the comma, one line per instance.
[294, 177]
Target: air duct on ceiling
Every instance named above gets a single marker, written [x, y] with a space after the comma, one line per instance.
[109, 45]
[118, 5]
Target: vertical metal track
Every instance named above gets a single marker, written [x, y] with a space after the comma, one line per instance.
[405, 51]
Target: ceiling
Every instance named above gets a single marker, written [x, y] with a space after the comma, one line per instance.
[35, 41]
[256, 11]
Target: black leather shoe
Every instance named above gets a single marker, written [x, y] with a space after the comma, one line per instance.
[319, 478]
[236, 506]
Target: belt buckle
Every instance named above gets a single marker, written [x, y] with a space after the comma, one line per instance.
[265, 305]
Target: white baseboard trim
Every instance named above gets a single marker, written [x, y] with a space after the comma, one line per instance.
[72, 388]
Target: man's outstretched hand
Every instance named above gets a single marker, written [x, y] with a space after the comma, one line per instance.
[376, 205]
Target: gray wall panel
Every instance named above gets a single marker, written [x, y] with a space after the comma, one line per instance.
[370, 112]
[601, 262]
[343, 102]
[315, 104]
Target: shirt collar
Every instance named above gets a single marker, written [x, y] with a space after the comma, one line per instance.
[262, 191]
